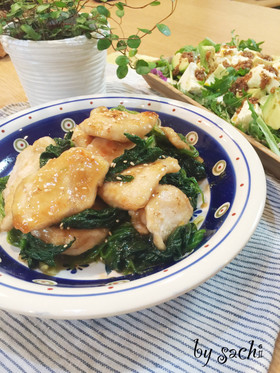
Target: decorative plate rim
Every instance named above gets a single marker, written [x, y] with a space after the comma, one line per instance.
[149, 290]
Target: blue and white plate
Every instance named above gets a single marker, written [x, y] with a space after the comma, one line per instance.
[235, 192]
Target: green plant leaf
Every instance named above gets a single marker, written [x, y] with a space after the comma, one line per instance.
[132, 52]
[42, 8]
[165, 30]
[113, 37]
[122, 60]
[15, 8]
[60, 4]
[145, 30]
[103, 44]
[120, 13]
[121, 45]
[104, 11]
[119, 6]
[122, 71]
[155, 3]
[30, 32]
[142, 67]
[133, 41]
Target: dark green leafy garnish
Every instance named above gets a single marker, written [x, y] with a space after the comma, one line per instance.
[144, 151]
[3, 183]
[54, 151]
[90, 219]
[127, 251]
[185, 157]
[187, 185]
[34, 250]
[123, 108]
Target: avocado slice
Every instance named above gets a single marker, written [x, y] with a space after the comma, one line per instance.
[271, 110]
[179, 63]
[207, 57]
[257, 93]
[176, 60]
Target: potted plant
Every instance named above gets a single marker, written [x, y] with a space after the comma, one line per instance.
[59, 47]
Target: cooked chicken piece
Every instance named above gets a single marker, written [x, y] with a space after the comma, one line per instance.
[112, 124]
[27, 163]
[81, 138]
[85, 239]
[167, 209]
[108, 149]
[64, 186]
[175, 140]
[136, 220]
[135, 194]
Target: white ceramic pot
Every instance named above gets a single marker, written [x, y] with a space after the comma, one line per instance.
[56, 69]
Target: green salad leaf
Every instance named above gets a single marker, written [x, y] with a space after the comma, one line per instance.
[186, 158]
[127, 251]
[3, 183]
[34, 250]
[54, 151]
[264, 129]
[90, 219]
[187, 185]
[145, 151]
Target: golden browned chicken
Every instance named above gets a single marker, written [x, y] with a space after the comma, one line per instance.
[85, 239]
[112, 124]
[64, 186]
[167, 209]
[175, 140]
[135, 194]
[81, 138]
[108, 149]
[27, 163]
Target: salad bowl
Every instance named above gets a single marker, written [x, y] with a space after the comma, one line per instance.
[229, 214]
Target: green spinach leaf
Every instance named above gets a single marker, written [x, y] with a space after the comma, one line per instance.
[54, 151]
[144, 151]
[127, 251]
[34, 250]
[3, 183]
[90, 219]
[187, 185]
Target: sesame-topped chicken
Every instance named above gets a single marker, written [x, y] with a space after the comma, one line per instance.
[135, 194]
[113, 124]
[27, 163]
[74, 185]
[64, 186]
[167, 209]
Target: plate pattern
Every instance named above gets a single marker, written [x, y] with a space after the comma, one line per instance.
[228, 192]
